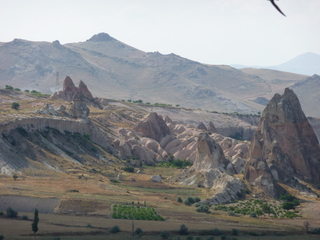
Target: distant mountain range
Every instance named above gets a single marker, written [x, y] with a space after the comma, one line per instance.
[112, 69]
[307, 64]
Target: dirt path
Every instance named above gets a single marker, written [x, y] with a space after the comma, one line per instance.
[28, 204]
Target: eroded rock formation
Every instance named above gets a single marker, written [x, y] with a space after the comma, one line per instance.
[69, 90]
[285, 145]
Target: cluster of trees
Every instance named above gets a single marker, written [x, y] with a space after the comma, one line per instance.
[135, 212]
[11, 213]
[178, 163]
[256, 208]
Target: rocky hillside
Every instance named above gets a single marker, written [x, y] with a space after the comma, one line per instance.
[113, 69]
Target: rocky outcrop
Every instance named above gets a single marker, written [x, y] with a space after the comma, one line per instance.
[284, 146]
[209, 171]
[79, 108]
[69, 90]
[153, 126]
[156, 178]
[212, 128]
[208, 154]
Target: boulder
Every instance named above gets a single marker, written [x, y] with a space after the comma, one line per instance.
[156, 178]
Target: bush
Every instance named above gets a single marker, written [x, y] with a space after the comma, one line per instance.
[24, 217]
[128, 169]
[115, 229]
[11, 213]
[179, 199]
[223, 237]
[8, 87]
[186, 202]
[253, 215]
[165, 234]
[203, 208]
[190, 238]
[1, 213]
[138, 232]
[196, 199]
[315, 231]
[288, 205]
[183, 230]
[15, 105]
[1, 237]
[216, 232]
[191, 200]
[235, 232]
[210, 238]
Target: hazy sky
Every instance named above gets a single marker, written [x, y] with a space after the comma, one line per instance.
[249, 32]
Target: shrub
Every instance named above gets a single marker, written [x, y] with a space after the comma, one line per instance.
[235, 232]
[186, 202]
[223, 237]
[288, 205]
[128, 169]
[196, 199]
[24, 217]
[1, 213]
[138, 232]
[203, 208]
[1, 237]
[183, 230]
[8, 87]
[210, 238]
[190, 238]
[253, 215]
[253, 234]
[164, 234]
[115, 229]
[89, 225]
[191, 200]
[179, 199]
[15, 105]
[216, 232]
[11, 213]
[315, 231]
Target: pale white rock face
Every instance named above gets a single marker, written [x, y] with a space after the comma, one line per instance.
[208, 154]
[143, 154]
[239, 164]
[187, 152]
[178, 129]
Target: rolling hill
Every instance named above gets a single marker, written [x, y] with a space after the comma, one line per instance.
[113, 69]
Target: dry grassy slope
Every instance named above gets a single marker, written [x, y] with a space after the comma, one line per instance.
[277, 80]
[115, 70]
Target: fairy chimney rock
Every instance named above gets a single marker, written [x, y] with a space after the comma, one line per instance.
[153, 126]
[208, 154]
[285, 142]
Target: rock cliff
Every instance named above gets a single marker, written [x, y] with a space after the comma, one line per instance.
[284, 146]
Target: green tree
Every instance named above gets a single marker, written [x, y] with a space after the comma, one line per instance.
[138, 232]
[115, 229]
[15, 105]
[9, 87]
[183, 230]
[11, 213]
[35, 222]
[179, 199]
[165, 234]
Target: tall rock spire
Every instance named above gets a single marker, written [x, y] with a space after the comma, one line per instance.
[285, 143]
